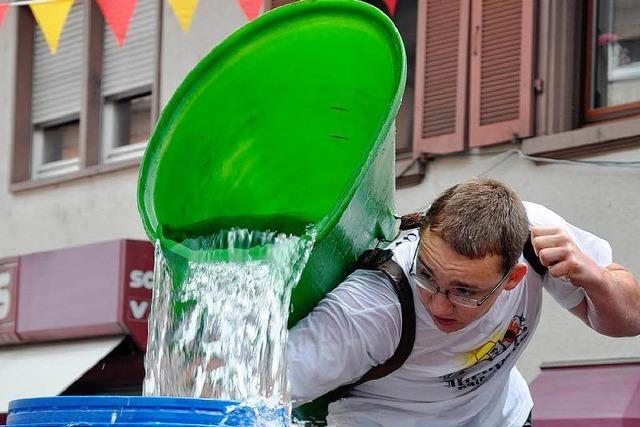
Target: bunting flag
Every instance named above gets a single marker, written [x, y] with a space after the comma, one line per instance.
[183, 10]
[51, 17]
[391, 5]
[251, 8]
[118, 15]
[3, 12]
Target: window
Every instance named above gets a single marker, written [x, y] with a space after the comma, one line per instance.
[56, 100]
[90, 107]
[613, 59]
[474, 74]
[127, 78]
[126, 127]
[56, 149]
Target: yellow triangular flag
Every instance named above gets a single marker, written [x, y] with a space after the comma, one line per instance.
[183, 9]
[51, 17]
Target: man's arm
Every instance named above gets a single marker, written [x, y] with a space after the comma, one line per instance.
[612, 308]
[356, 327]
[612, 305]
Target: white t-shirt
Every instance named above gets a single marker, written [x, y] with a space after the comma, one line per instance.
[465, 378]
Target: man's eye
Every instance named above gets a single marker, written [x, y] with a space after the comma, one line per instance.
[426, 274]
[464, 292]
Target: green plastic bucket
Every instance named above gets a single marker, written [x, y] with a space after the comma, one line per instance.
[288, 122]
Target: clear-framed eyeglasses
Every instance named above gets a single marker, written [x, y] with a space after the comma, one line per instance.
[423, 278]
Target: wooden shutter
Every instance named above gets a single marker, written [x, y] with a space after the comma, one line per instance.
[441, 75]
[501, 71]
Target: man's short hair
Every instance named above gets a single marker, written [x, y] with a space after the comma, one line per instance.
[480, 217]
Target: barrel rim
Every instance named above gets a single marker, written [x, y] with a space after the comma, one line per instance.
[133, 402]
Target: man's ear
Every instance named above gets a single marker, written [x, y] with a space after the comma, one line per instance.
[517, 274]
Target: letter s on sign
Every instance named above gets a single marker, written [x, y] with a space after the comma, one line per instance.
[135, 279]
[147, 278]
[5, 294]
[141, 279]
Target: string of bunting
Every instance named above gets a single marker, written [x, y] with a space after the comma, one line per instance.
[51, 15]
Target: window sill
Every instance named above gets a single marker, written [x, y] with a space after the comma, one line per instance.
[83, 173]
[587, 140]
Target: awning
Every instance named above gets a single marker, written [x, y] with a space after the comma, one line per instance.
[592, 395]
[48, 369]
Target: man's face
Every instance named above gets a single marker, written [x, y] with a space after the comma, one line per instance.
[458, 273]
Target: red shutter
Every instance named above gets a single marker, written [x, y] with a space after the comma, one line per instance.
[272, 4]
[441, 75]
[501, 71]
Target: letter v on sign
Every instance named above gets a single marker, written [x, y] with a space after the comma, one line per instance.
[138, 309]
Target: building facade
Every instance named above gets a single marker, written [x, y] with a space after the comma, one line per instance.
[544, 95]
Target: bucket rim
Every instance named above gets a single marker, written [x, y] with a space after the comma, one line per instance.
[271, 19]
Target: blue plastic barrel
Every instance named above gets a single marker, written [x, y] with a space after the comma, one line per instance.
[120, 411]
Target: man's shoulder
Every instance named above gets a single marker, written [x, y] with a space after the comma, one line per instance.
[370, 287]
[543, 216]
[540, 215]
[404, 248]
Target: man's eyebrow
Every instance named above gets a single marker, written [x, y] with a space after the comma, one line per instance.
[466, 285]
[424, 265]
[456, 284]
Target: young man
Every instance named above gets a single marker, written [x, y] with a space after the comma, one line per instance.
[477, 303]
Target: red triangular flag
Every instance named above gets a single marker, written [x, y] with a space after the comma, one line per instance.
[3, 12]
[251, 8]
[118, 15]
[391, 5]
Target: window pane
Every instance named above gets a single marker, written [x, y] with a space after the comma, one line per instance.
[140, 121]
[61, 142]
[134, 120]
[616, 77]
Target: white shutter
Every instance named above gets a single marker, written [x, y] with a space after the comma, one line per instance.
[132, 66]
[57, 79]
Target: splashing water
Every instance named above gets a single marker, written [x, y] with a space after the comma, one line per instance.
[218, 325]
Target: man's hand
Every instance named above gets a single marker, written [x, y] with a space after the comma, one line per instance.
[562, 256]
[612, 306]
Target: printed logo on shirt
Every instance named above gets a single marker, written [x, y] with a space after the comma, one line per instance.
[411, 236]
[491, 356]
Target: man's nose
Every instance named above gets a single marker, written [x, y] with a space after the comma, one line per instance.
[441, 305]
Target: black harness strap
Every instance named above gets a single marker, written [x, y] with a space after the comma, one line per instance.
[373, 259]
[381, 260]
[398, 279]
[533, 260]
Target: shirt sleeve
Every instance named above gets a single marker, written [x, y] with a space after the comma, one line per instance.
[567, 295]
[356, 327]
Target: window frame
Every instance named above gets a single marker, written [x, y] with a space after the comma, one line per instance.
[91, 160]
[593, 115]
[110, 152]
[41, 169]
